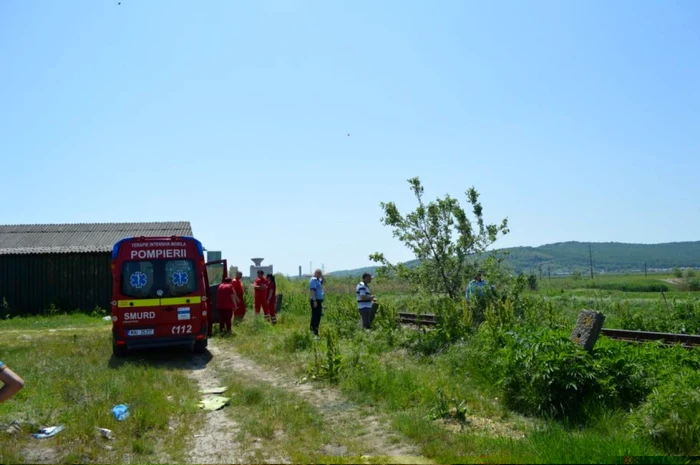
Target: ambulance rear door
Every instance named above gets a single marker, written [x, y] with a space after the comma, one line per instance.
[162, 298]
[216, 272]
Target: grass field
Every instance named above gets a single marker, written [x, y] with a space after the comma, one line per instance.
[72, 380]
[406, 387]
[355, 393]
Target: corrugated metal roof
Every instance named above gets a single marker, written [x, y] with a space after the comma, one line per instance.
[80, 238]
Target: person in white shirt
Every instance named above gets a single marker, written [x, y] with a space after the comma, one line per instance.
[316, 296]
[366, 302]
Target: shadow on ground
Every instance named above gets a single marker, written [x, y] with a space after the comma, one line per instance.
[165, 357]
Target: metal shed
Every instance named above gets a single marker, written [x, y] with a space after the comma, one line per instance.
[65, 265]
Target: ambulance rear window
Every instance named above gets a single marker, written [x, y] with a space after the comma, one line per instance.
[144, 278]
[180, 276]
[137, 279]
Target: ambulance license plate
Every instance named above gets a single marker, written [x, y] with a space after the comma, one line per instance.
[140, 332]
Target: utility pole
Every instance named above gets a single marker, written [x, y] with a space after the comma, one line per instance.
[645, 269]
[549, 271]
[590, 254]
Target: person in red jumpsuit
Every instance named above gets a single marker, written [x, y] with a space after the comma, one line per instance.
[239, 311]
[226, 301]
[272, 298]
[260, 297]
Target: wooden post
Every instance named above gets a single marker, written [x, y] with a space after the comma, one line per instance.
[278, 303]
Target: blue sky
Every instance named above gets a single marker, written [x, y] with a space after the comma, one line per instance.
[578, 120]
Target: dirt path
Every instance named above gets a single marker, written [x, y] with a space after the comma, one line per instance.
[373, 433]
[215, 441]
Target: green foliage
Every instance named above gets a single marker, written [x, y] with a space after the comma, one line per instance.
[546, 374]
[632, 320]
[576, 275]
[682, 316]
[98, 311]
[532, 282]
[298, 341]
[611, 257]
[327, 365]
[449, 408]
[625, 373]
[671, 415]
[690, 273]
[5, 310]
[342, 315]
[627, 286]
[53, 310]
[694, 284]
[677, 273]
[454, 324]
[442, 237]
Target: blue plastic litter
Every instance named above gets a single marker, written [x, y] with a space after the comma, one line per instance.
[120, 412]
[48, 432]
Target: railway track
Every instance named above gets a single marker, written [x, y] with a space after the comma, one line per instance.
[686, 340]
[417, 319]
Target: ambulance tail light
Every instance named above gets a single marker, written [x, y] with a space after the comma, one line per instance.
[121, 343]
[199, 337]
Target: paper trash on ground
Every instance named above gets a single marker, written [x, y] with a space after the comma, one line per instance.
[216, 390]
[48, 432]
[212, 403]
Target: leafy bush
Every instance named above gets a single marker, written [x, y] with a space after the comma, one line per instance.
[671, 415]
[448, 408]
[340, 313]
[576, 275]
[690, 273]
[546, 374]
[329, 365]
[532, 282]
[454, 324]
[694, 284]
[677, 273]
[625, 373]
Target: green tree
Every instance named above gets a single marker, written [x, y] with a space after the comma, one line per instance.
[532, 282]
[442, 237]
[677, 273]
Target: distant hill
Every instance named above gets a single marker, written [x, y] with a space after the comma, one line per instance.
[609, 257]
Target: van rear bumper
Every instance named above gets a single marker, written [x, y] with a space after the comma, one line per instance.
[160, 342]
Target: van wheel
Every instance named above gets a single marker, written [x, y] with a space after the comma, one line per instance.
[200, 346]
[119, 351]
